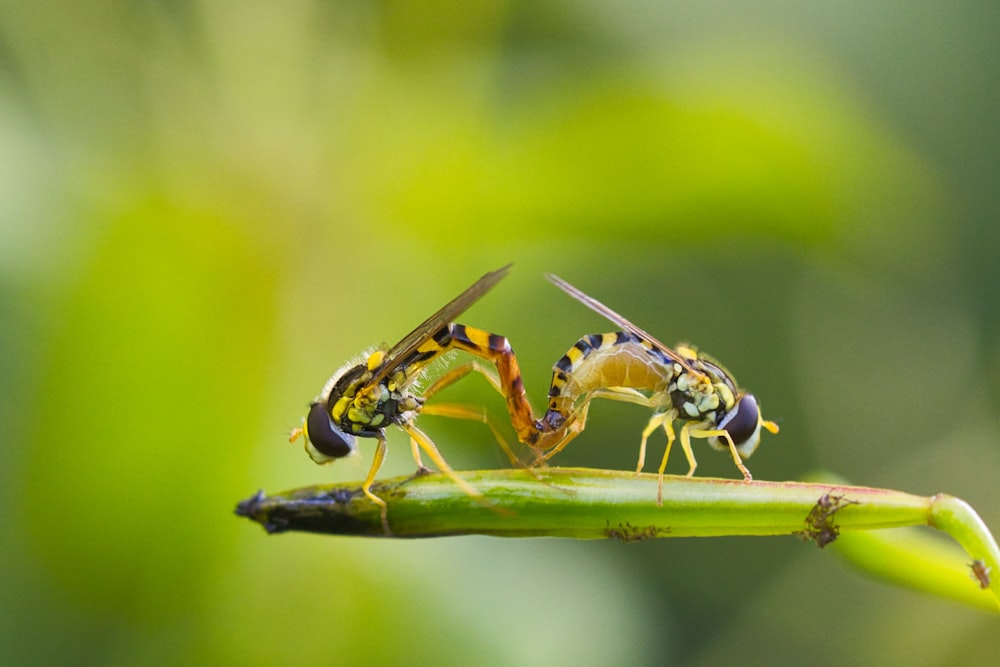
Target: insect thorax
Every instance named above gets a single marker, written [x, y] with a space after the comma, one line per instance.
[705, 395]
[359, 407]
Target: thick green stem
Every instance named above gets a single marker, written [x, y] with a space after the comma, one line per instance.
[594, 504]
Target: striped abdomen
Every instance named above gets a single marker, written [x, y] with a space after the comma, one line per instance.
[601, 361]
[491, 347]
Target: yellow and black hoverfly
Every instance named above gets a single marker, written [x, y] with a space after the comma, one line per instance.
[678, 385]
[366, 396]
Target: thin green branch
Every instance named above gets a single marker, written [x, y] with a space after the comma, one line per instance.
[594, 504]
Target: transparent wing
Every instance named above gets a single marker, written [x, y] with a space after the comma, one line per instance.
[601, 309]
[402, 350]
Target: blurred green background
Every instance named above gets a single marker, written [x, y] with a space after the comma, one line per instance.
[207, 207]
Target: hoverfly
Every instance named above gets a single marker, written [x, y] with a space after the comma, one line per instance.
[677, 384]
[365, 396]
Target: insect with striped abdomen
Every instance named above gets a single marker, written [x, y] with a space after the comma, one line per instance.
[679, 384]
[366, 396]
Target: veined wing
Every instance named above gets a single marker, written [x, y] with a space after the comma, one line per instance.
[601, 309]
[402, 350]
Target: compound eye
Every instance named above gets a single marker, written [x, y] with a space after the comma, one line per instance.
[742, 422]
[324, 436]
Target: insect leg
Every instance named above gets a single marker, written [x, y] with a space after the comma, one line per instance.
[719, 433]
[472, 413]
[456, 374]
[686, 446]
[625, 395]
[655, 422]
[575, 422]
[554, 441]
[366, 487]
[426, 444]
[467, 412]
[415, 451]
[668, 428]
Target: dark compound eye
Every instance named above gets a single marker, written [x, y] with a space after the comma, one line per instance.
[325, 436]
[741, 422]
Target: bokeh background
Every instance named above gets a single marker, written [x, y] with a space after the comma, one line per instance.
[207, 207]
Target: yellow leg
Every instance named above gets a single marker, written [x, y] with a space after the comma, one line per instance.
[577, 420]
[426, 444]
[459, 372]
[688, 451]
[467, 412]
[623, 394]
[415, 450]
[366, 487]
[668, 428]
[718, 433]
[655, 422]
[471, 413]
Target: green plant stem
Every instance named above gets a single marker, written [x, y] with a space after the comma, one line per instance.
[594, 504]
